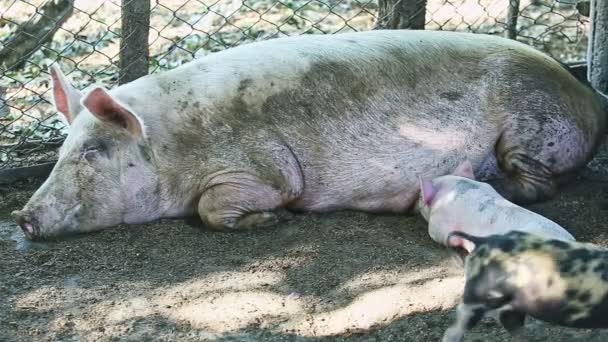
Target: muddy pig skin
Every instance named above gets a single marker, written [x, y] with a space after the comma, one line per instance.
[457, 202]
[517, 274]
[314, 123]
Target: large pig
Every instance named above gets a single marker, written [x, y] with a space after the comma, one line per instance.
[457, 202]
[314, 123]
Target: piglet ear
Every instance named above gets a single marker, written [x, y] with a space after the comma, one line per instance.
[427, 191]
[457, 241]
[65, 97]
[465, 169]
[107, 109]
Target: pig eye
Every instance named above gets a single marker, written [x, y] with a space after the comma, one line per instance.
[90, 152]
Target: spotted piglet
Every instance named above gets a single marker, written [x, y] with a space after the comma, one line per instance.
[518, 274]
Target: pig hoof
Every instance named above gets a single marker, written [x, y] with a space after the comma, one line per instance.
[255, 220]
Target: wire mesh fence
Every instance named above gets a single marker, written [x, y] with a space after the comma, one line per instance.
[84, 37]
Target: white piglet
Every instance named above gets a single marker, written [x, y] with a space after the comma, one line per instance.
[457, 202]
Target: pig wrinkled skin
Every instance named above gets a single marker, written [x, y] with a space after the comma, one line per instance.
[314, 123]
[458, 202]
[517, 274]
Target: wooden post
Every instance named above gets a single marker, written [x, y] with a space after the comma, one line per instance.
[597, 53]
[401, 14]
[134, 53]
[512, 19]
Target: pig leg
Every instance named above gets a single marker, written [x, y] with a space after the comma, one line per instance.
[240, 203]
[467, 316]
[536, 148]
[526, 180]
[240, 200]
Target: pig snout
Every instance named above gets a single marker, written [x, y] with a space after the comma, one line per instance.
[27, 222]
[45, 220]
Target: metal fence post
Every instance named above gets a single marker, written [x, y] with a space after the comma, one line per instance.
[597, 55]
[134, 53]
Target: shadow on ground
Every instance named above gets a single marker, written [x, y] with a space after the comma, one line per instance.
[343, 276]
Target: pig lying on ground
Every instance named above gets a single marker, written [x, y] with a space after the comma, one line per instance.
[519, 274]
[457, 202]
[314, 123]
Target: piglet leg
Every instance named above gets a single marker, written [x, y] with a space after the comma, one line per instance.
[467, 316]
[513, 321]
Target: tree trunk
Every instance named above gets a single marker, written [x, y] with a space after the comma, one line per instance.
[597, 54]
[30, 36]
[134, 52]
[401, 14]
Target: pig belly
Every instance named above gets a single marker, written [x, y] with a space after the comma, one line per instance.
[395, 197]
[489, 169]
[369, 156]
[373, 179]
[373, 184]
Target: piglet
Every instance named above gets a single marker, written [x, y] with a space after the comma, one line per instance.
[457, 202]
[517, 274]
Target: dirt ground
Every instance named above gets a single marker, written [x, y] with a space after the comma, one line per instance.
[342, 277]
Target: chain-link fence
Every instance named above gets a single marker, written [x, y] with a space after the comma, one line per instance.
[84, 37]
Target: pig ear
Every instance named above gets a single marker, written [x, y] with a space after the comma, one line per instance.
[65, 97]
[427, 191]
[465, 169]
[107, 109]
